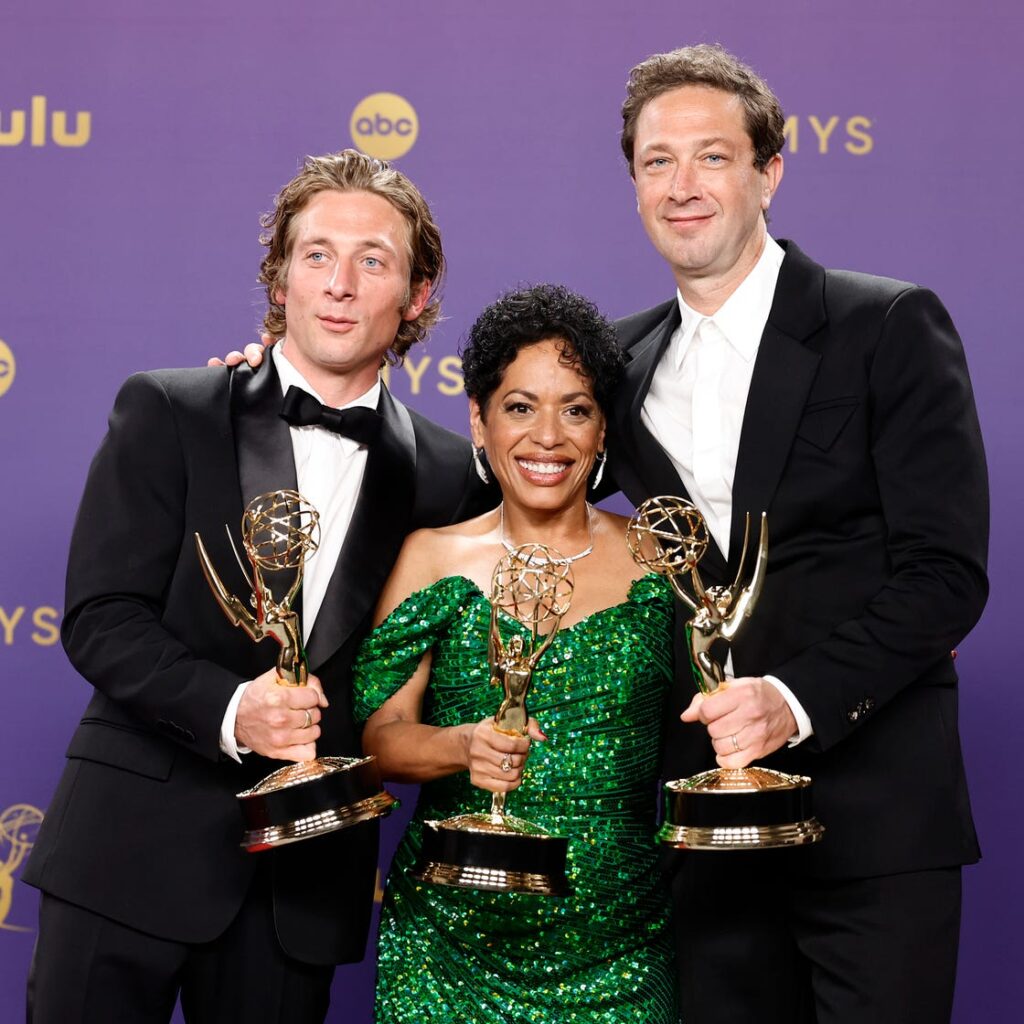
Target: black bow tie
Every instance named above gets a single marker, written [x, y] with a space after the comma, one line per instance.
[301, 409]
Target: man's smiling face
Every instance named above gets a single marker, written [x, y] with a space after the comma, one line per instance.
[700, 197]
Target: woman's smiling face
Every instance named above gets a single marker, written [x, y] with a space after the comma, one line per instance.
[542, 428]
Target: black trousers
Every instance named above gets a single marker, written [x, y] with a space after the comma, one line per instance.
[759, 943]
[87, 969]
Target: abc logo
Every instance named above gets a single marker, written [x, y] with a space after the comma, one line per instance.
[6, 367]
[384, 125]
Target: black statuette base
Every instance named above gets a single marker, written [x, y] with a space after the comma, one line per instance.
[739, 809]
[311, 798]
[491, 858]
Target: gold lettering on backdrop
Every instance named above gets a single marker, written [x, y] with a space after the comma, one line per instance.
[858, 140]
[45, 619]
[47, 631]
[415, 372]
[15, 135]
[80, 136]
[384, 125]
[856, 128]
[38, 120]
[448, 370]
[8, 367]
[823, 132]
[19, 826]
[35, 120]
[791, 133]
[8, 622]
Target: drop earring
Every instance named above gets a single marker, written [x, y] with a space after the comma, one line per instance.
[602, 458]
[478, 461]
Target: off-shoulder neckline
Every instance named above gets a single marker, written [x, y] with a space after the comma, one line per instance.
[473, 585]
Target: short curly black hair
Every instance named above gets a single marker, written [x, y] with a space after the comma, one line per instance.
[527, 316]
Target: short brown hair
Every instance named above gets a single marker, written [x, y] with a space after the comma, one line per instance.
[352, 171]
[709, 65]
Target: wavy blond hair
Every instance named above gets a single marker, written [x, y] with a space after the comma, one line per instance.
[352, 171]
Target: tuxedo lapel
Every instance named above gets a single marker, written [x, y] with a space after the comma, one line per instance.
[784, 370]
[262, 439]
[379, 525]
[655, 468]
[642, 360]
[263, 444]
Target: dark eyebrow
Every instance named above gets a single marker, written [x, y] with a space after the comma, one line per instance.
[711, 140]
[570, 397]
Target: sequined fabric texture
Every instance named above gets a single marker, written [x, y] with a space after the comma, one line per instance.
[601, 954]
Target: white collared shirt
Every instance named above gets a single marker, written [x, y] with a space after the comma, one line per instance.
[694, 408]
[329, 472]
[698, 393]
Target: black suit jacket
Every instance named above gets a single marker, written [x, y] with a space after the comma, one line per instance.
[860, 440]
[144, 827]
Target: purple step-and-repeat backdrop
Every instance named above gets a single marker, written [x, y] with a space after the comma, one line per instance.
[139, 142]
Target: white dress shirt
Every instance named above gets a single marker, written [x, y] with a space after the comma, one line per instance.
[329, 473]
[697, 399]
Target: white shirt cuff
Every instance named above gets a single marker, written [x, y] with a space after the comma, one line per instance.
[804, 729]
[227, 727]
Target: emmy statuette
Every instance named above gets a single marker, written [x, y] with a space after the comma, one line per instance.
[279, 531]
[726, 808]
[533, 585]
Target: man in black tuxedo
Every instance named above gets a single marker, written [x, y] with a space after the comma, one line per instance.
[840, 404]
[145, 888]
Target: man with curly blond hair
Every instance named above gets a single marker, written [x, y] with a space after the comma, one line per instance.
[146, 892]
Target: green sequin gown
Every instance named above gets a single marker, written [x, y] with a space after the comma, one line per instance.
[601, 954]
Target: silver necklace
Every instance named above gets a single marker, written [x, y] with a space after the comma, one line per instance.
[509, 546]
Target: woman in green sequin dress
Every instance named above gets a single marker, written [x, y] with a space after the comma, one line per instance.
[538, 369]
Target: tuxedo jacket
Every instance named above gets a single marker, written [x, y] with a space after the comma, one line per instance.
[144, 827]
[860, 440]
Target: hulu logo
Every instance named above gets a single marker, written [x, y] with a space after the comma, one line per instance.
[13, 127]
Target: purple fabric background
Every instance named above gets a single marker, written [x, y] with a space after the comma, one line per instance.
[138, 250]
